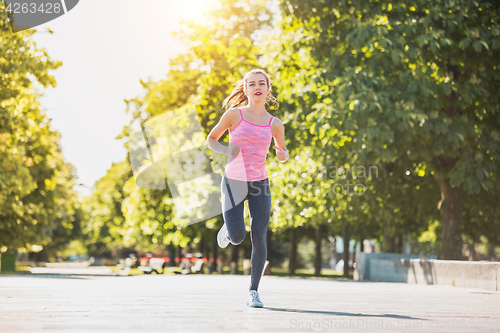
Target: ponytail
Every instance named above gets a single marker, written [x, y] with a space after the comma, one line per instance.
[238, 96]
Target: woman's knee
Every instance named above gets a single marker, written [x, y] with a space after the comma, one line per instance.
[237, 237]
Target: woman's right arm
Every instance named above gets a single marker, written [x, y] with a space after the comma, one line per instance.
[213, 138]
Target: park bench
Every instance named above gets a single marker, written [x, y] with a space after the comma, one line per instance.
[187, 266]
[125, 266]
[198, 266]
[154, 265]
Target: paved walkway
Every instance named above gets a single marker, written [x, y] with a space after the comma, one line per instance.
[203, 303]
[92, 270]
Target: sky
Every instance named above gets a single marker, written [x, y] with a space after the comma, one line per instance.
[106, 48]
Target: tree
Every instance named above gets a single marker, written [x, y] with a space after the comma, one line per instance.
[105, 227]
[417, 78]
[36, 196]
[221, 51]
[483, 215]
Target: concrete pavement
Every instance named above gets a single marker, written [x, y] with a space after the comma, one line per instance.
[91, 270]
[213, 303]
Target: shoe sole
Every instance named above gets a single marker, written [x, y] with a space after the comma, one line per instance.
[255, 306]
[218, 240]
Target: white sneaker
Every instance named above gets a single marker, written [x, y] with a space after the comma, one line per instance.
[254, 299]
[222, 237]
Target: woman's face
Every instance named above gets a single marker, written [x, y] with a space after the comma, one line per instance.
[256, 87]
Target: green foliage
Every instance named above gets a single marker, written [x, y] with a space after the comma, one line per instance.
[482, 213]
[410, 88]
[412, 84]
[220, 53]
[37, 202]
[105, 226]
[416, 76]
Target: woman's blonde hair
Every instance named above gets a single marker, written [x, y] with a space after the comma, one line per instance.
[238, 97]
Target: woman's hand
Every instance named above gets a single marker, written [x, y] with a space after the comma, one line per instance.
[282, 154]
[233, 151]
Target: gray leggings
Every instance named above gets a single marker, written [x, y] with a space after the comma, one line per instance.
[258, 194]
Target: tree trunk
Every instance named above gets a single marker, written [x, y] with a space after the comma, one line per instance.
[492, 256]
[215, 255]
[317, 257]
[390, 241]
[205, 252]
[171, 251]
[345, 236]
[354, 255]
[391, 244]
[472, 251]
[234, 260]
[179, 253]
[362, 246]
[450, 208]
[292, 252]
[399, 243]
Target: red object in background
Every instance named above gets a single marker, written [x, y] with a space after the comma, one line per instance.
[193, 259]
[167, 259]
[145, 260]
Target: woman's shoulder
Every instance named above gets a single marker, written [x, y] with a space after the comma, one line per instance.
[232, 111]
[276, 122]
[231, 114]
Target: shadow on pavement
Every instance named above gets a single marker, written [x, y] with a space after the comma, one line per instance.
[342, 313]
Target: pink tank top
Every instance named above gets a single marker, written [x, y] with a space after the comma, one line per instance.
[254, 141]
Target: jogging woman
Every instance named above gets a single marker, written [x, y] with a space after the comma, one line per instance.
[251, 129]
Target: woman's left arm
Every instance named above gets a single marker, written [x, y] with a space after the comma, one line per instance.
[279, 140]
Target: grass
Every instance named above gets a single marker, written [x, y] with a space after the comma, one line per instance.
[19, 269]
[325, 273]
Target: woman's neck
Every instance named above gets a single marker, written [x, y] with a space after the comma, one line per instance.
[257, 108]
